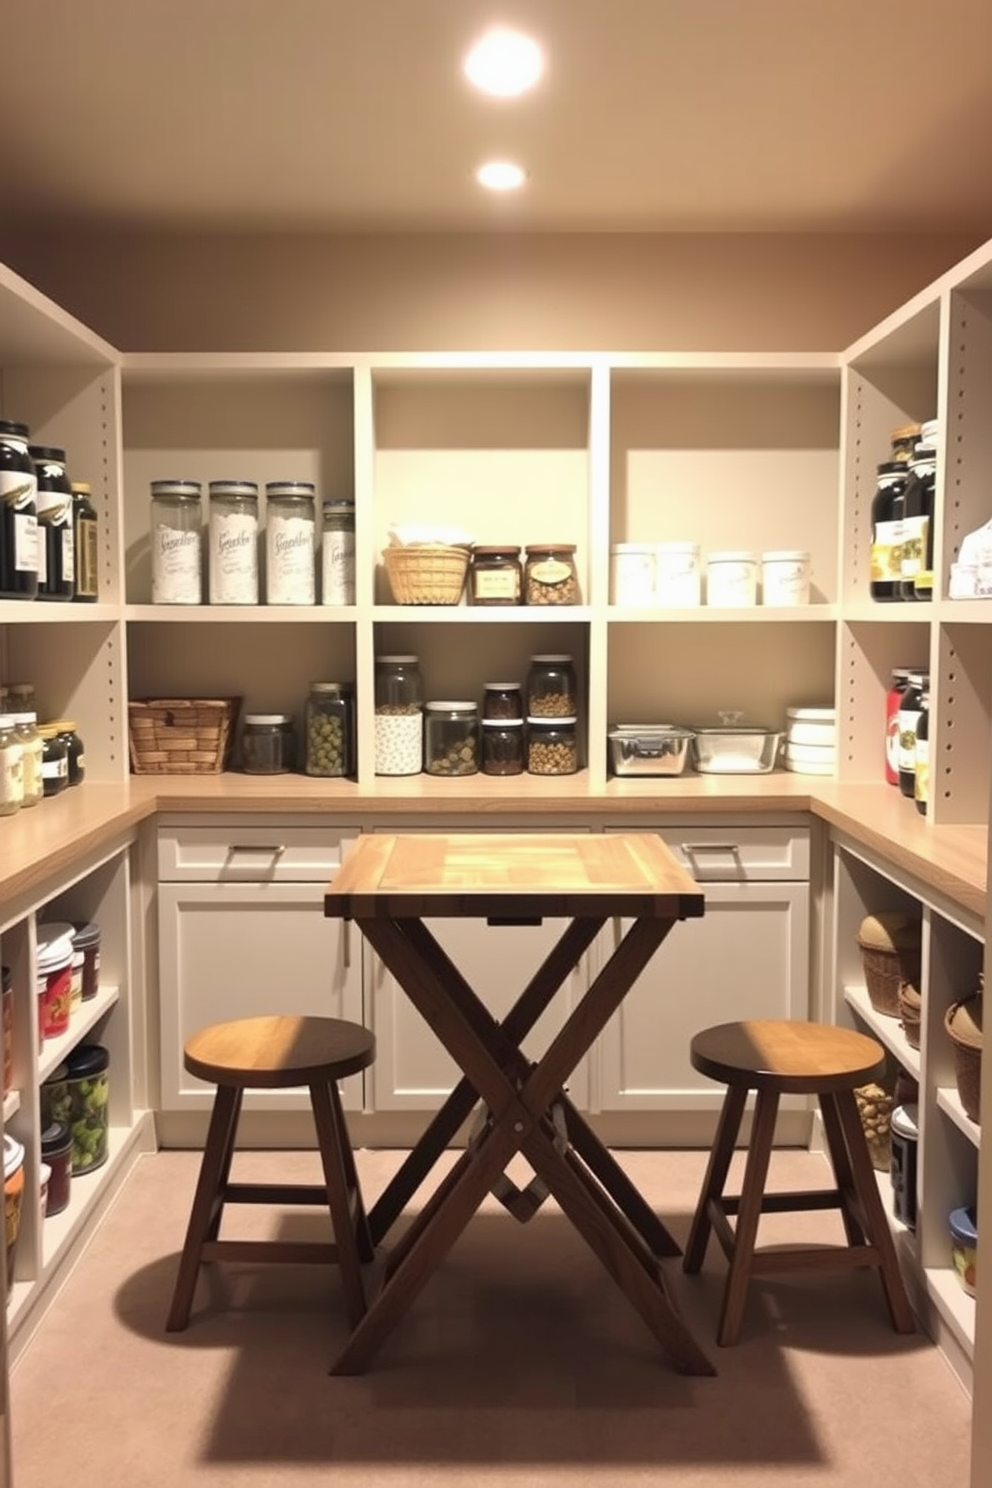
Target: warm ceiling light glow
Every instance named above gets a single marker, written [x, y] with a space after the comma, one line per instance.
[504, 63]
[500, 175]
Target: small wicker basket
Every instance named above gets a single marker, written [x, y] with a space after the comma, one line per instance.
[890, 956]
[963, 1022]
[182, 736]
[426, 573]
[910, 1013]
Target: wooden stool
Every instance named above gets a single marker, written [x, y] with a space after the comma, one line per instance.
[791, 1058]
[274, 1054]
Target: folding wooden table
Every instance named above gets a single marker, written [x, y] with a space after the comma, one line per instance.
[389, 885]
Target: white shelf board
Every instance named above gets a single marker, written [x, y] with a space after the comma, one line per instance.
[949, 1102]
[482, 614]
[35, 331]
[11, 1105]
[242, 614]
[715, 615]
[868, 612]
[887, 1030]
[953, 1303]
[45, 612]
[84, 1192]
[85, 1017]
[964, 611]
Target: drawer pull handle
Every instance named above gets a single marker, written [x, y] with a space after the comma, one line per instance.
[710, 847]
[271, 849]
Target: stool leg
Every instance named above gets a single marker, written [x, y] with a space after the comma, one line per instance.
[748, 1214]
[841, 1164]
[721, 1153]
[333, 1140]
[363, 1230]
[208, 1201]
[874, 1215]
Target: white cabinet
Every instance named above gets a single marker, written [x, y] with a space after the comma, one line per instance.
[748, 957]
[241, 933]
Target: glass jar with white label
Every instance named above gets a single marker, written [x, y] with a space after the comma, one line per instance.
[732, 579]
[337, 552]
[290, 537]
[176, 541]
[233, 561]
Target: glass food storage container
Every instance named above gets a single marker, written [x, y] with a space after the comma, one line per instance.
[268, 744]
[176, 540]
[552, 690]
[733, 747]
[550, 576]
[502, 700]
[451, 738]
[233, 563]
[399, 715]
[337, 552]
[551, 746]
[502, 746]
[330, 729]
[290, 543]
[495, 576]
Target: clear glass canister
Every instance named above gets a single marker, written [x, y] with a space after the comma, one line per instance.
[502, 700]
[18, 514]
[337, 553]
[399, 715]
[551, 687]
[74, 750]
[177, 537]
[451, 738]
[290, 543]
[268, 744]
[550, 576]
[86, 548]
[27, 731]
[495, 576]
[11, 767]
[502, 746]
[551, 746]
[233, 562]
[330, 729]
[56, 537]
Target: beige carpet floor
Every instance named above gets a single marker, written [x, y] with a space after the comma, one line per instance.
[520, 1365]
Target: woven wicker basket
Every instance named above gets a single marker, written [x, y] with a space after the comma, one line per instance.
[910, 1012]
[967, 1058]
[182, 736]
[426, 573]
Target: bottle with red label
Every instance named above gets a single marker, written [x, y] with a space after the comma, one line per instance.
[900, 677]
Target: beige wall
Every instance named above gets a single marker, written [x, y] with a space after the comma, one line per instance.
[743, 292]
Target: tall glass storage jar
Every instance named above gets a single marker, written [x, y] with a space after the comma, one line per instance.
[451, 738]
[330, 729]
[337, 553]
[399, 715]
[177, 537]
[233, 563]
[290, 543]
[551, 686]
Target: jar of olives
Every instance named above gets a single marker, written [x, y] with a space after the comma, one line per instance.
[330, 729]
[451, 738]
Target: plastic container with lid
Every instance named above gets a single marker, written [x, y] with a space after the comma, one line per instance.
[18, 514]
[56, 534]
[785, 577]
[177, 542]
[31, 761]
[887, 510]
[552, 690]
[550, 576]
[904, 1136]
[330, 729]
[56, 1150]
[53, 1097]
[7, 998]
[337, 552]
[13, 1198]
[86, 938]
[268, 744]
[233, 560]
[502, 746]
[75, 753]
[632, 574]
[54, 760]
[502, 700]
[11, 767]
[964, 1246]
[495, 575]
[811, 726]
[551, 746]
[732, 579]
[399, 715]
[678, 579]
[88, 1084]
[86, 543]
[290, 543]
[451, 738]
[54, 968]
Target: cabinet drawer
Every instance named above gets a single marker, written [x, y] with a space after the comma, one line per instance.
[740, 854]
[270, 853]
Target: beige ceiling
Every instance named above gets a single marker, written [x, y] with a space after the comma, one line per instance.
[660, 115]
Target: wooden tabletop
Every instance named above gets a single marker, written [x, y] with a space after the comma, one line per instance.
[512, 874]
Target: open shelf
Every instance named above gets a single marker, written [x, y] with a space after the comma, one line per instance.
[84, 1018]
[887, 1030]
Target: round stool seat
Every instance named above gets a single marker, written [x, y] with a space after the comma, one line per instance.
[273, 1053]
[794, 1058]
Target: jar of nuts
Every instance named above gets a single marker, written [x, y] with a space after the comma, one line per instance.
[399, 715]
[549, 574]
[451, 738]
[551, 687]
[551, 747]
[330, 733]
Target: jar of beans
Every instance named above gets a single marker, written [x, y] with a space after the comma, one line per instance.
[399, 715]
[551, 687]
[330, 732]
[551, 746]
[502, 700]
[451, 738]
[550, 577]
[502, 746]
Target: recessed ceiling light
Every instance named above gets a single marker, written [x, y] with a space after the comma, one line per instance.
[504, 63]
[500, 175]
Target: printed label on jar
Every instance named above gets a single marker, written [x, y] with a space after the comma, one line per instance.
[338, 567]
[42, 563]
[11, 774]
[399, 743]
[175, 566]
[921, 757]
[55, 769]
[26, 544]
[496, 583]
[289, 555]
[68, 554]
[550, 571]
[912, 550]
[907, 741]
[886, 552]
[233, 558]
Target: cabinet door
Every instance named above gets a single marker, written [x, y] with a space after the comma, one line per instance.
[412, 1071]
[748, 957]
[241, 950]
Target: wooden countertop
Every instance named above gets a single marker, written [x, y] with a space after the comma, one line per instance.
[41, 843]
